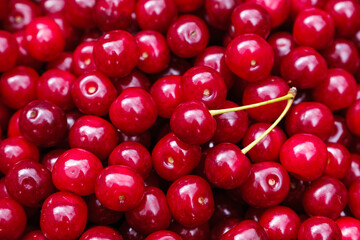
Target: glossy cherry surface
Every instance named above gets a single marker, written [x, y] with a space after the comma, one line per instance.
[63, 62]
[50, 158]
[12, 219]
[339, 161]
[247, 229]
[34, 235]
[219, 12]
[319, 228]
[83, 60]
[99, 214]
[350, 227]
[24, 58]
[135, 79]
[101, 232]
[341, 133]
[354, 172]
[353, 194]
[353, 117]
[80, 13]
[163, 235]
[223, 227]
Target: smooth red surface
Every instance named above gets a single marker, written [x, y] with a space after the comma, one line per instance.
[339, 161]
[247, 229]
[319, 228]
[101, 232]
[12, 219]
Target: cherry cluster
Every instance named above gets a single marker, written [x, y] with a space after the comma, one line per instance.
[161, 119]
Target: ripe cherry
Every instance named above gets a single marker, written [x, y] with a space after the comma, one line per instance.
[13, 219]
[163, 235]
[98, 214]
[80, 13]
[353, 117]
[201, 232]
[100, 232]
[247, 229]
[339, 161]
[354, 172]
[353, 194]
[83, 59]
[319, 228]
[349, 226]
[219, 12]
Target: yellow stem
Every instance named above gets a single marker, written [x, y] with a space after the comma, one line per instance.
[292, 92]
[235, 109]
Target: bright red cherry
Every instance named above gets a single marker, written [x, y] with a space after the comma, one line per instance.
[354, 172]
[8, 51]
[319, 228]
[101, 232]
[350, 227]
[24, 58]
[13, 127]
[223, 227]
[353, 117]
[299, 5]
[247, 229]
[116, 53]
[52, 6]
[219, 12]
[63, 216]
[63, 62]
[190, 200]
[135, 79]
[80, 13]
[354, 198]
[34, 235]
[12, 219]
[340, 134]
[83, 59]
[188, 5]
[163, 235]
[339, 161]
[99, 214]
[304, 156]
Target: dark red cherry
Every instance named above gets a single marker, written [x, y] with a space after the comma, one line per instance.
[266, 89]
[354, 198]
[12, 219]
[71, 117]
[55, 86]
[29, 183]
[340, 134]
[249, 57]
[192, 123]
[163, 235]
[50, 158]
[225, 208]
[190, 200]
[310, 117]
[326, 196]
[304, 156]
[119, 188]
[101, 232]
[83, 60]
[247, 229]
[24, 58]
[14, 150]
[44, 39]
[52, 6]
[223, 227]
[226, 166]
[185, 6]
[152, 214]
[350, 227]
[187, 36]
[135, 79]
[76, 171]
[18, 86]
[280, 223]
[315, 23]
[116, 53]
[203, 84]
[3, 190]
[266, 186]
[80, 13]
[304, 68]
[98, 214]
[173, 158]
[63, 216]
[143, 138]
[13, 126]
[354, 172]
[134, 111]
[219, 12]
[34, 235]
[201, 232]
[62, 62]
[128, 233]
[319, 228]
[5, 115]
[8, 51]
[339, 161]
[43, 123]
[177, 66]
[353, 118]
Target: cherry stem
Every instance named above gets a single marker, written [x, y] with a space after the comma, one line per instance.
[292, 94]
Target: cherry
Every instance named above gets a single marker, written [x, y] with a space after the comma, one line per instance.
[173, 158]
[315, 23]
[225, 208]
[280, 223]
[319, 228]
[119, 188]
[154, 52]
[353, 195]
[201, 232]
[219, 12]
[187, 5]
[97, 213]
[135, 79]
[155, 15]
[9, 51]
[247, 229]
[223, 227]
[52, 6]
[133, 111]
[116, 53]
[339, 161]
[44, 39]
[83, 60]
[63, 62]
[177, 66]
[354, 172]
[50, 158]
[190, 200]
[163, 235]
[203, 84]
[12, 219]
[304, 156]
[192, 123]
[18, 86]
[80, 13]
[304, 68]
[34, 235]
[188, 35]
[298, 6]
[251, 18]
[63, 216]
[143, 138]
[340, 134]
[24, 58]
[101, 232]
[353, 117]
[3, 190]
[350, 227]
[249, 57]
[71, 117]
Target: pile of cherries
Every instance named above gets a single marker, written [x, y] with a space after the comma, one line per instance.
[119, 119]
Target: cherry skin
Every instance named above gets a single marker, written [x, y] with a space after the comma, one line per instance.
[223, 227]
[135, 79]
[14, 150]
[354, 172]
[201, 232]
[116, 53]
[266, 186]
[62, 62]
[203, 84]
[133, 111]
[340, 134]
[83, 60]
[119, 188]
[63, 216]
[43, 123]
[52, 6]
[152, 214]
[12, 219]
[315, 23]
[80, 13]
[251, 18]
[304, 156]
[24, 58]
[44, 39]
[304, 68]
[319, 228]
[50, 158]
[219, 12]
[187, 36]
[18, 86]
[173, 158]
[55, 86]
[13, 126]
[225, 208]
[94, 134]
[353, 195]
[34, 235]
[190, 200]
[76, 171]
[280, 223]
[250, 57]
[29, 183]
[353, 118]
[310, 117]
[326, 196]
[9, 51]
[91, 89]
[163, 235]
[339, 161]
[266, 89]
[298, 6]
[226, 166]
[134, 155]
[101, 232]
[192, 123]
[99, 214]
[155, 15]
[3, 190]
[268, 149]
[350, 227]
[143, 138]
[247, 229]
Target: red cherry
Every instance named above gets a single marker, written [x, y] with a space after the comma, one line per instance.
[52, 6]
[339, 161]
[353, 195]
[340, 134]
[24, 58]
[13, 126]
[247, 229]
[8, 50]
[353, 117]
[354, 172]
[13, 219]
[83, 60]
[319, 228]
[350, 227]
[80, 13]
[50, 158]
[299, 5]
[163, 235]
[34, 235]
[99, 214]
[100, 232]
[219, 12]
[223, 227]
[201, 232]
[63, 62]
[188, 5]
